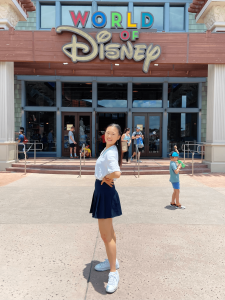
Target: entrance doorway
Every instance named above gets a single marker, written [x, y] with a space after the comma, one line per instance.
[151, 127]
[83, 134]
[102, 121]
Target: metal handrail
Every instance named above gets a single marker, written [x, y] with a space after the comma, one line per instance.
[137, 160]
[82, 150]
[200, 144]
[24, 152]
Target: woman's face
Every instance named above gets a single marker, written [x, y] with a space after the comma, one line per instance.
[111, 136]
[128, 132]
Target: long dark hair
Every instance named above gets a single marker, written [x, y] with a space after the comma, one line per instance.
[118, 143]
[125, 130]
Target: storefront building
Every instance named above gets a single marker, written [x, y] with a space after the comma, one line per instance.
[56, 88]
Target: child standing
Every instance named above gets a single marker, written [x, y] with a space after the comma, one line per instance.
[175, 180]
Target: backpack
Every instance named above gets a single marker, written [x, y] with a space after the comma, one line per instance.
[25, 140]
[140, 143]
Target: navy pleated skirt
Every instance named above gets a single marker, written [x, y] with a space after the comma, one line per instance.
[105, 202]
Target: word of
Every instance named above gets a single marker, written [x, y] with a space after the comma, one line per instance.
[99, 20]
[111, 51]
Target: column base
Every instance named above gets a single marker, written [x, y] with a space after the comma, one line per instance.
[215, 157]
[8, 154]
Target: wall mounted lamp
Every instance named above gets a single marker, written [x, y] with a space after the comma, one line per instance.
[22, 107]
[58, 108]
[200, 109]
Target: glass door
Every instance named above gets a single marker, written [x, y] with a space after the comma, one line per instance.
[82, 133]
[154, 135]
[151, 128]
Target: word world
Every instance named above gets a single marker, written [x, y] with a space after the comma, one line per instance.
[99, 19]
[103, 47]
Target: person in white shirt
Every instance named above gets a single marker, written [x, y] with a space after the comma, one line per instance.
[106, 202]
[72, 143]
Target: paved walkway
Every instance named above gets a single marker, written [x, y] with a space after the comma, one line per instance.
[49, 243]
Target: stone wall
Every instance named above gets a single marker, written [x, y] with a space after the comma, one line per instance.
[30, 24]
[17, 103]
[204, 111]
[193, 26]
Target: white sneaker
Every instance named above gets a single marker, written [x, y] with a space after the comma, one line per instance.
[131, 158]
[113, 282]
[140, 161]
[104, 266]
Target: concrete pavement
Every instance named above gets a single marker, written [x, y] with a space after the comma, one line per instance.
[50, 243]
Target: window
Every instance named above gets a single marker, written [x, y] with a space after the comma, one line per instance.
[47, 16]
[66, 18]
[41, 127]
[147, 95]
[182, 127]
[107, 11]
[183, 95]
[112, 95]
[40, 93]
[176, 18]
[156, 11]
[76, 94]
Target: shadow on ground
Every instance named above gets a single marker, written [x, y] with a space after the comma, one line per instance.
[170, 207]
[97, 279]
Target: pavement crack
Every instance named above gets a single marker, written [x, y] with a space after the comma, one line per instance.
[85, 298]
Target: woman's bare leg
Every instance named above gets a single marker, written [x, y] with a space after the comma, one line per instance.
[109, 238]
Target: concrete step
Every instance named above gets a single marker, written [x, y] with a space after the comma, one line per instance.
[91, 172]
[92, 167]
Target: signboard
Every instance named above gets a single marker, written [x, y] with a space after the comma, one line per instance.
[102, 46]
[141, 126]
[68, 126]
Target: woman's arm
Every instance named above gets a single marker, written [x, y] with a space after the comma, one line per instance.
[122, 138]
[113, 175]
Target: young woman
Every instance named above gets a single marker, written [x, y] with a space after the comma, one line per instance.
[126, 138]
[106, 203]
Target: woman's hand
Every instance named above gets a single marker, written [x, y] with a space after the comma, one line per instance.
[108, 181]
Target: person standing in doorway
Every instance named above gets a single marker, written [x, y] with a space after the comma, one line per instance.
[106, 203]
[126, 138]
[72, 143]
[50, 140]
[136, 135]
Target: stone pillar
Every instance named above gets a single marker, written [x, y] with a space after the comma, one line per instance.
[7, 134]
[215, 133]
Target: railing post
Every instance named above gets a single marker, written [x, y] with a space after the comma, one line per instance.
[184, 153]
[34, 152]
[84, 152]
[25, 158]
[193, 163]
[80, 165]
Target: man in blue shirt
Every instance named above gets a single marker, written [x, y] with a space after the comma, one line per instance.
[175, 180]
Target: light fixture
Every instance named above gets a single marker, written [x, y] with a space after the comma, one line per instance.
[117, 64]
[156, 65]
[88, 83]
[47, 123]
[135, 91]
[65, 63]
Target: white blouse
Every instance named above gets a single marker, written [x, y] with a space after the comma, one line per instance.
[107, 163]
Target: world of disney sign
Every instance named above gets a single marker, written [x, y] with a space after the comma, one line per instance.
[102, 44]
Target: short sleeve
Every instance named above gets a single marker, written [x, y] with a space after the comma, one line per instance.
[134, 133]
[112, 161]
[174, 166]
